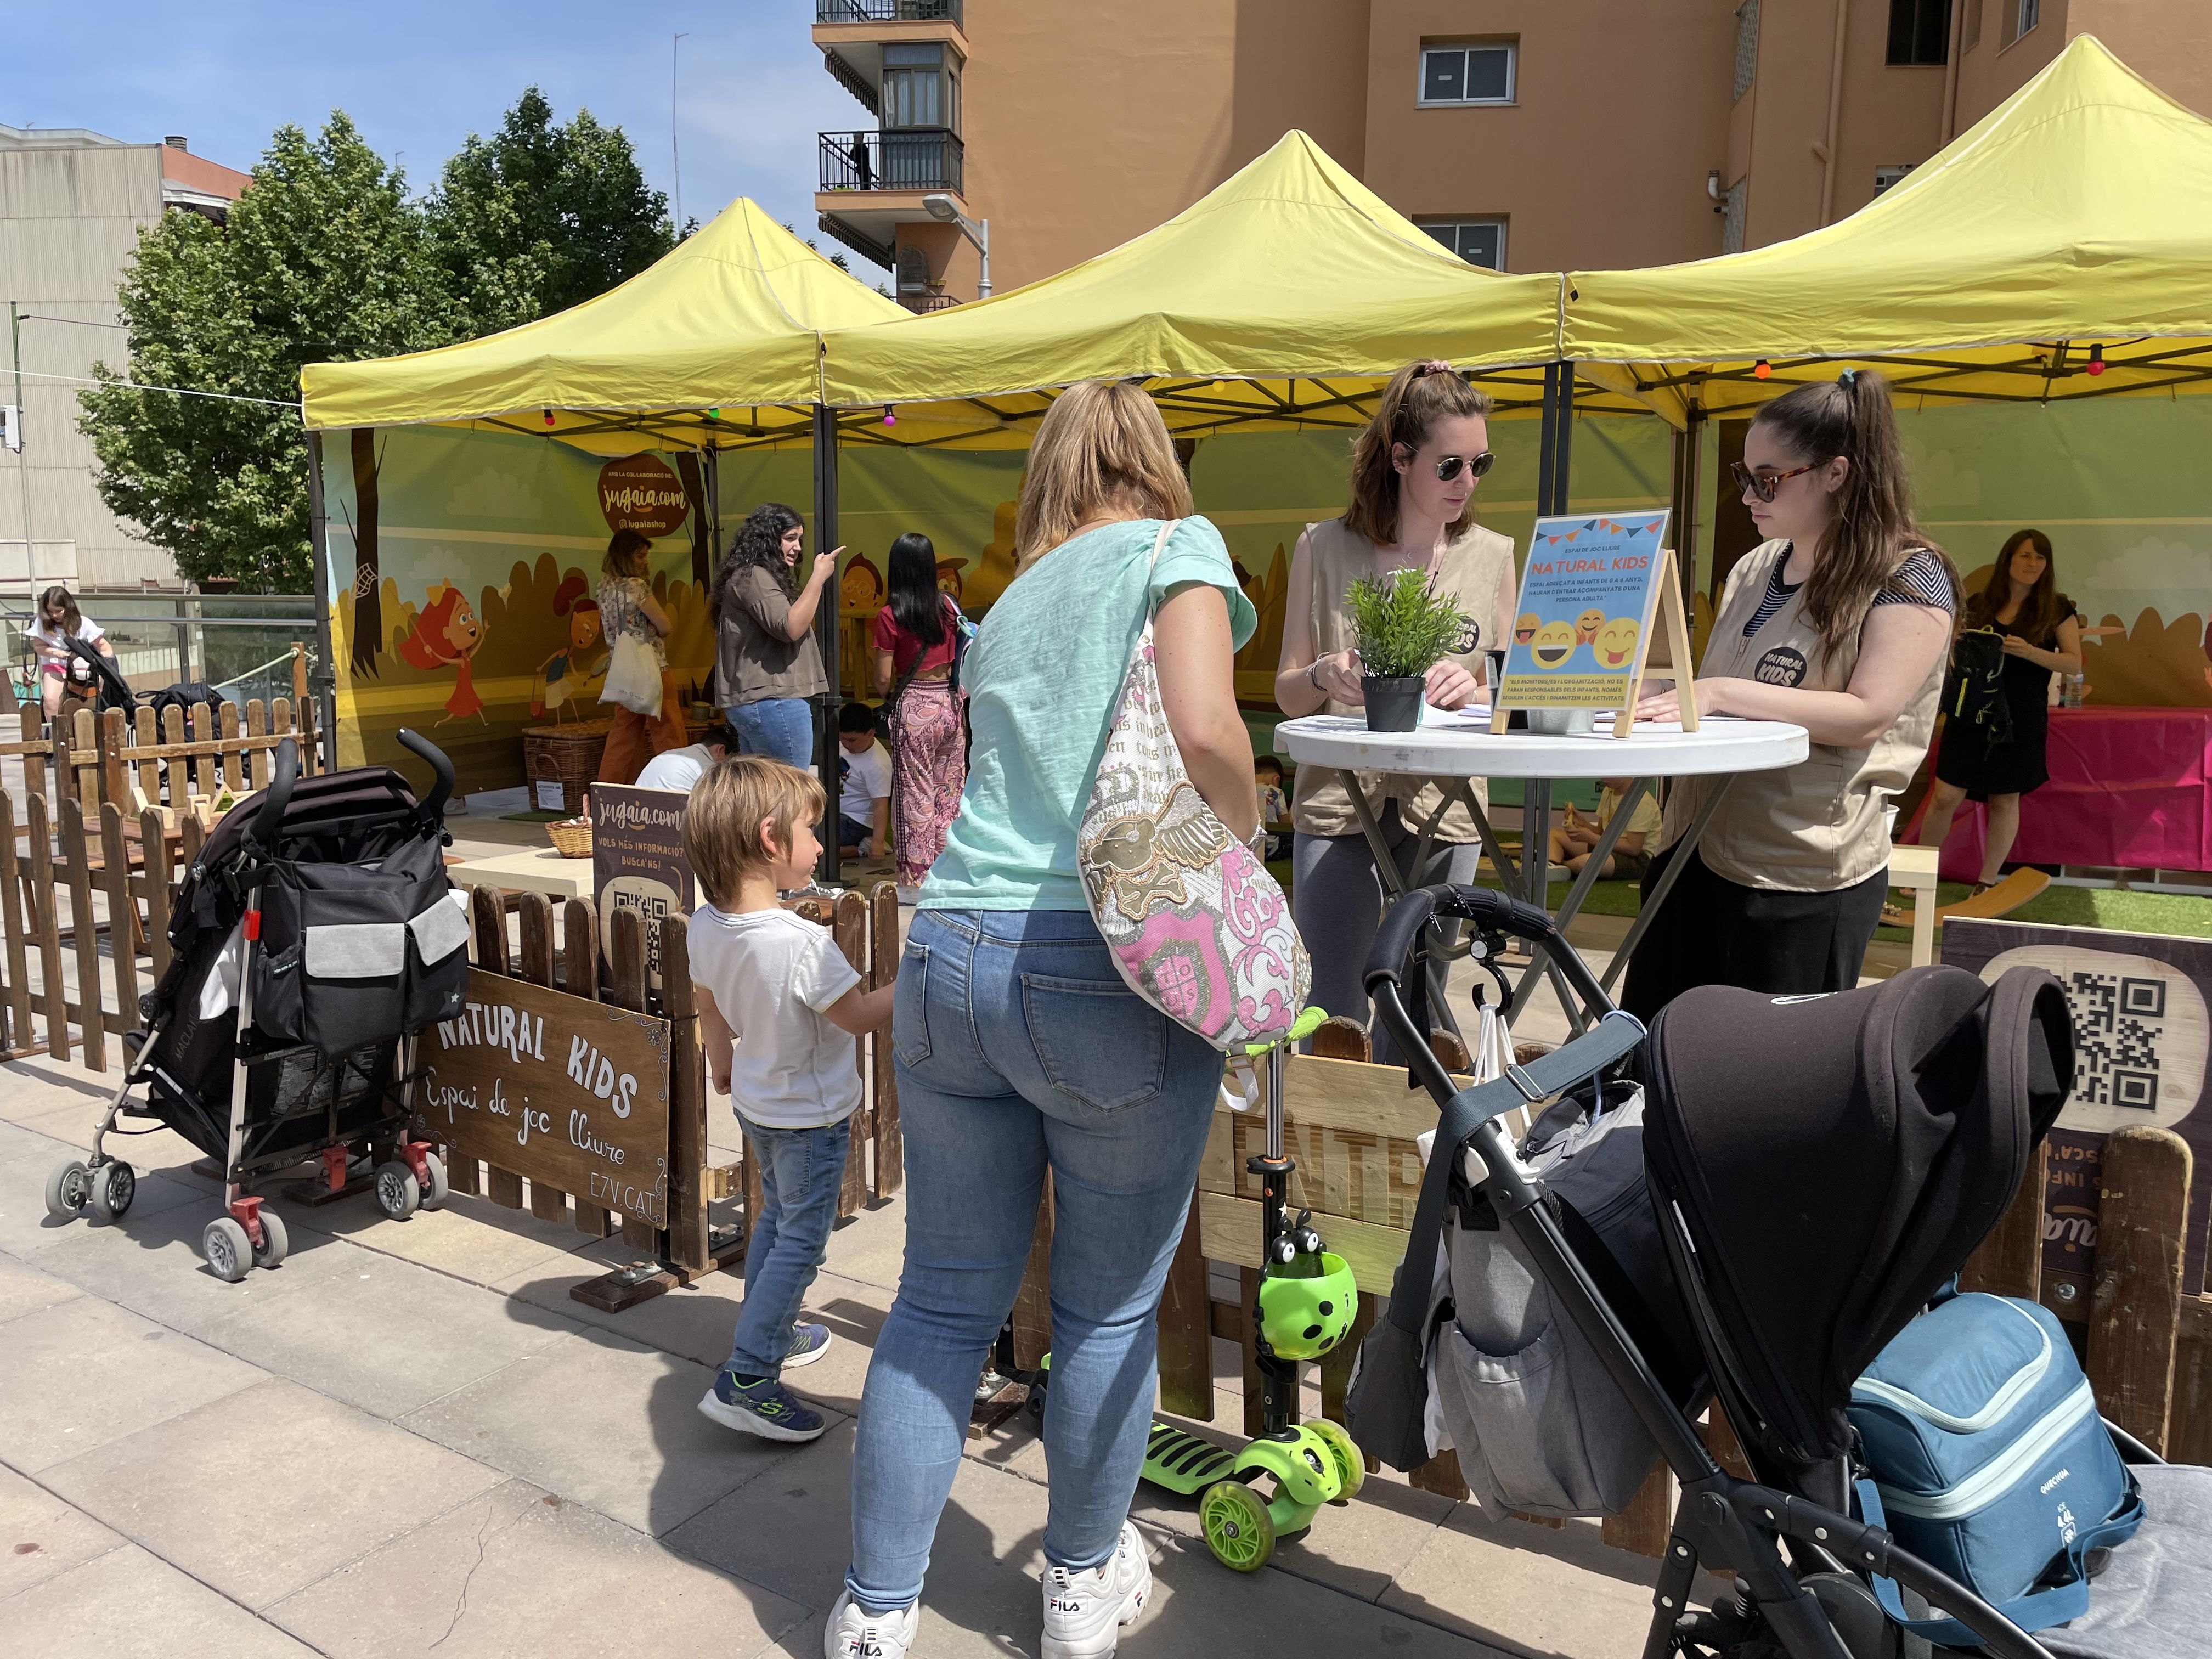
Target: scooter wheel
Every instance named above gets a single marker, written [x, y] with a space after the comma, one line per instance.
[1350, 1466]
[399, 1194]
[69, 1189]
[229, 1253]
[434, 1194]
[113, 1186]
[275, 1244]
[1237, 1526]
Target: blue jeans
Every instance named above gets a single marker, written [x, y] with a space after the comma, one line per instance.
[801, 1170]
[1018, 1051]
[782, 728]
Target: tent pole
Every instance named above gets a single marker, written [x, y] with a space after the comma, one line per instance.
[1556, 441]
[825, 628]
[1545, 437]
[326, 677]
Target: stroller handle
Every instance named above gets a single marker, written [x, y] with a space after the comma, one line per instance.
[1490, 911]
[285, 772]
[434, 807]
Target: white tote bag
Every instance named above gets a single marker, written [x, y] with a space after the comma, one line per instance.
[634, 676]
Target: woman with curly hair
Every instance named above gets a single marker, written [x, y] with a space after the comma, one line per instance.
[766, 660]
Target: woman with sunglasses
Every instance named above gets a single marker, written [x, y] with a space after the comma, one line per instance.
[1414, 473]
[1840, 622]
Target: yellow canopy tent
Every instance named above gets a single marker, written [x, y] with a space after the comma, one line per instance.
[2057, 249]
[1280, 299]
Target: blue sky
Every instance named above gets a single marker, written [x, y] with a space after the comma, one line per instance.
[417, 78]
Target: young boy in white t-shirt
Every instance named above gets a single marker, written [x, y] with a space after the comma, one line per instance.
[776, 987]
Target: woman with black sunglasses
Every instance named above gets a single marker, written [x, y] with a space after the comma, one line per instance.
[1414, 473]
[1838, 623]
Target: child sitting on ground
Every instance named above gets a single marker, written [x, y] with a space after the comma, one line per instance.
[777, 986]
[1275, 805]
[1572, 845]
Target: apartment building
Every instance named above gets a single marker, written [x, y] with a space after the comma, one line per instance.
[71, 205]
[1526, 135]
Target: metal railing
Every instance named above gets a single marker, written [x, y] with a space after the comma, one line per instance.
[889, 11]
[904, 158]
[237, 642]
[919, 302]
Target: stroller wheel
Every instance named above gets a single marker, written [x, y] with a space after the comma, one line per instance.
[1237, 1526]
[1351, 1466]
[274, 1242]
[69, 1189]
[399, 1194]
[434, 1194]
[227, 1249]
[113, 1186]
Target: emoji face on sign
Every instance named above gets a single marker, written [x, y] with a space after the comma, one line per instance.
[1553, 644]
[1524, 628]
[1615, 643]
[1587, 624]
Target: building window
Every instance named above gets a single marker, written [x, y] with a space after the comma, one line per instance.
[1732, 207]
[1970, 36]
[1468, 75]
[2021, 17]
[1747, 47]
[920, 88]
[1885, 177]
[1478, 241]
[1919, 31]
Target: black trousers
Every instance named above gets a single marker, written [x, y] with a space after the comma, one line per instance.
[1712, 931]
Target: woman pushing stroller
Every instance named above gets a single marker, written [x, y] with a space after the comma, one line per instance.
[58, 621]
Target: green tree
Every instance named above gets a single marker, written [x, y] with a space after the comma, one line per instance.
[323, 258]
[538, 217]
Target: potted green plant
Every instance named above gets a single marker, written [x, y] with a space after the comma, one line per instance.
[1405, 628]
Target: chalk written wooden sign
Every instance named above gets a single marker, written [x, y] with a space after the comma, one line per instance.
[2142, 1056]
[569, 1094]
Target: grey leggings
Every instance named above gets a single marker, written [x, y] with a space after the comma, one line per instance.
[1336, 894]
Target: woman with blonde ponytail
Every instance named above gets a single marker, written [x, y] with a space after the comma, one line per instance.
[1838, 623]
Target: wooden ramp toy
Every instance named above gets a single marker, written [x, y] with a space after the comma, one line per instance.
[1999, 900]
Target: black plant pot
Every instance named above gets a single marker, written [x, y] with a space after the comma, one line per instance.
[1392, 705]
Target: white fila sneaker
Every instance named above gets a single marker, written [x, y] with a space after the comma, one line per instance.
[1083, 1612]
[853, 1634]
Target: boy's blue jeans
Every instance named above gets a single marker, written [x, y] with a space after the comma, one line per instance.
[1019, 1051]
[801, 1170]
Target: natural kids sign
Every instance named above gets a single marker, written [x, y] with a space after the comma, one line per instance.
[563, 1092]
[1598, 593]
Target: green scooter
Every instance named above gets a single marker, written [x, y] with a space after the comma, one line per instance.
[1306, 1304]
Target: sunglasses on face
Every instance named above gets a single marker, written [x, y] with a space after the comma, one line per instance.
[1448, 467]
[1764, 484]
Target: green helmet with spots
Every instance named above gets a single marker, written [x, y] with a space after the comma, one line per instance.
[1306, 1305]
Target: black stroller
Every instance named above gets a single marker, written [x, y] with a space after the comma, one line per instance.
[1805, 1220]
[315, 932]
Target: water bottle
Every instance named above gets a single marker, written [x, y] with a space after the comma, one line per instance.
[2072, 692]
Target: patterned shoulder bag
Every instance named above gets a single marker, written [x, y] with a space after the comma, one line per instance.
[1195, 924]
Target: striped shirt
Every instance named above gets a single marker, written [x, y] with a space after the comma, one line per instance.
[1921, 580]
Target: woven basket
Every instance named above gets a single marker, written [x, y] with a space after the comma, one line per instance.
[571, 839]
[566, 755]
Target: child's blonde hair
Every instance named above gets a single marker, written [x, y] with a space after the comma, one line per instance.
[1102, 448]
[722, 820]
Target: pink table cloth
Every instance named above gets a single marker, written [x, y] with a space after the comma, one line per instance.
[2130, 787]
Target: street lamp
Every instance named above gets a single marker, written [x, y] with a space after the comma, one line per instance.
[946, 210]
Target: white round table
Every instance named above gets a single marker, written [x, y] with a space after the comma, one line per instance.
[1453, 749]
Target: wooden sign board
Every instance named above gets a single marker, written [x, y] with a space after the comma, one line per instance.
[563, 1091]
[638, 862]
[1600, 613]
[2141, 1043]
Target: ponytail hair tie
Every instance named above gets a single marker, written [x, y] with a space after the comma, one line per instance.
[1429, 366]
[1847, 379]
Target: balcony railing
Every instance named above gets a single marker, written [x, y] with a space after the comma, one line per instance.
[922, 302]
[905, 158]
[888, 11]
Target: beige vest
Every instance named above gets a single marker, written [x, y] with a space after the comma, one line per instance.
[1817, 826]
[1475, 569]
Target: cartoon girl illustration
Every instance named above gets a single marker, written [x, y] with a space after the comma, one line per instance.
[445, 634]
[567, 674]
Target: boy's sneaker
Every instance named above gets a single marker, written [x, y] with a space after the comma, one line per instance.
[853, 1634]
[808, 1344]
[766, 1408]
[1083, 1612]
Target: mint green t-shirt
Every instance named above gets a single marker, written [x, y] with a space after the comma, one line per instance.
[1041, 677]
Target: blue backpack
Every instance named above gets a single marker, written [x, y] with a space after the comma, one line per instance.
[1988, 1460]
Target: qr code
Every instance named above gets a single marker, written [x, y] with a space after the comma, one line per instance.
[2119, 1025]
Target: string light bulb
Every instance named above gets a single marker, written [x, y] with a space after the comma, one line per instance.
[548, 414]
[714, 414]
[2096, 360]
[890, 418]
[1761, 369]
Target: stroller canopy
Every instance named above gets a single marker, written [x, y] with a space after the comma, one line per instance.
[1835, 1159]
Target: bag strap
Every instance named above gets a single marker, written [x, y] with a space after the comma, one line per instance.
[1611, 1039]
[2056, 1604]
[952, 637]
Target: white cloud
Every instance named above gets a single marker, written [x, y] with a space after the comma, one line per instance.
[2170, 577]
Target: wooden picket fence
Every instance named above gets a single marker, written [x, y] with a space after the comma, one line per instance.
[866, 928]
